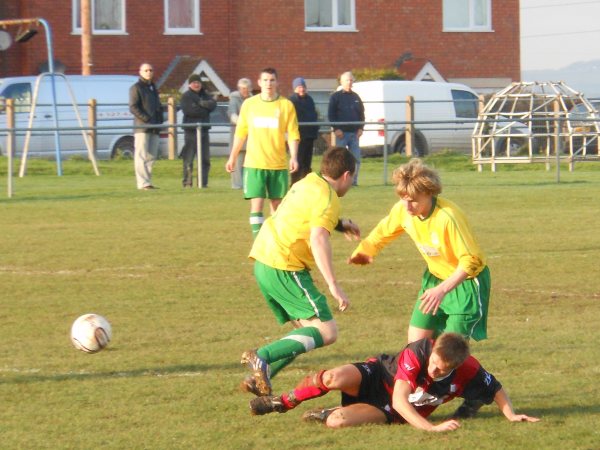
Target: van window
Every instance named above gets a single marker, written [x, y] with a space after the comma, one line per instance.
[465, 103]
[21, 94]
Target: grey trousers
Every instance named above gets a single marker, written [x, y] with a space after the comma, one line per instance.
[146, 152]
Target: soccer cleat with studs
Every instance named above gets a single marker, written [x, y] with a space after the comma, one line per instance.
[248, 384]
[260, 372]
[260, 406]
[317, 415]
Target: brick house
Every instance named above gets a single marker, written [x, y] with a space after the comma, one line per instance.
[475, 42]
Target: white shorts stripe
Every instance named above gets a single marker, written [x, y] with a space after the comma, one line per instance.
[476, 281]
[308, 297]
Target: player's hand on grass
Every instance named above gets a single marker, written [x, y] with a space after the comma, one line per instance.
[361, 259]
[351, 230]
[523, 418]
[448, 425]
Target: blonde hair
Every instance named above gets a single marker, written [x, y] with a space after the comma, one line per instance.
[414, 177]
[452, 348]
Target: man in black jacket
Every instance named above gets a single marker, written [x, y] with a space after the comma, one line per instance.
[196, 104]
[144, 104]
[345, 105]
[306, 112]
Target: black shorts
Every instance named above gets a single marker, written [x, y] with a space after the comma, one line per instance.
[372, 390]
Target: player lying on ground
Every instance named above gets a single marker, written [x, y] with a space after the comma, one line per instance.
[406, 387]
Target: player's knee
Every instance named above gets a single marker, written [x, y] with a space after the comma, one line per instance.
[329, 332]
[337, 419]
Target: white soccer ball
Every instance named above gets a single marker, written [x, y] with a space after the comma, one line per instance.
[90, 333]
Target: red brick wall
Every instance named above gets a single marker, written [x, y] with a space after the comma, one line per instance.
[386, 29]
[241, 37]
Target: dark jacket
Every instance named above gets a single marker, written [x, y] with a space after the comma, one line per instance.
[346, 107]
[306, 112]
[144, 104]
[197, 106]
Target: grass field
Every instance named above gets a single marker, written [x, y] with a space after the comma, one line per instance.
[168, 268]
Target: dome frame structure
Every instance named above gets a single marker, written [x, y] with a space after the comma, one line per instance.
[527, 122]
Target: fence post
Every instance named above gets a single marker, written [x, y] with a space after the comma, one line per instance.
[557, 146]
[385, 153]
[172, 133]
[481, 105]
[199, 153]
[410, 129]
[10, 143]
[92, 121]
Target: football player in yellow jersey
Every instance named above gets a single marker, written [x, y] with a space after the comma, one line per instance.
[455, 288]
[291, 242]
[265, 120]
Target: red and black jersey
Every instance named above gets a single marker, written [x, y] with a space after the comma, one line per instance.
[469, 380]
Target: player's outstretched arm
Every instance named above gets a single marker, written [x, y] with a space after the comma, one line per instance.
[504, 404]
[401, 404]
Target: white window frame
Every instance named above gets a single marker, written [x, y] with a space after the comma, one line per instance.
[471, 27]
[77, 30]
[196, 15]
[334, 18]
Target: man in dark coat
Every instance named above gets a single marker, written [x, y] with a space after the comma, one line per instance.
[144, 104]
[196, 104]
[306, 112]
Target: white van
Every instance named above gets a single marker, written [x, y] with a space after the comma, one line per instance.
[444, 115]
[111, 93]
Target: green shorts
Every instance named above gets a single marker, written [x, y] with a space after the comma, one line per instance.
[464, 310]
[265, 183]
[291, 295]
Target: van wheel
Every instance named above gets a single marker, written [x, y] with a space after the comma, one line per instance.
[123, 149]
[419, 149]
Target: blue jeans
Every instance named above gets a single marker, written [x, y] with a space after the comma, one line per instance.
[350, 141]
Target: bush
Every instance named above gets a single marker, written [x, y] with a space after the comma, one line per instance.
[370, 73]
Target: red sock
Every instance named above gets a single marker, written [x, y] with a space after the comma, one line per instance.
[311, 387]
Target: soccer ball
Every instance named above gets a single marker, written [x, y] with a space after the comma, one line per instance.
[90, 333]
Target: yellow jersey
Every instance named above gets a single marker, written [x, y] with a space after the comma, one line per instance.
[443, 238]
[284, 238]
[265, 124]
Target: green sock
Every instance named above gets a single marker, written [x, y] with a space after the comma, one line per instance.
[299, 341]
[278, 365]
[256, 221]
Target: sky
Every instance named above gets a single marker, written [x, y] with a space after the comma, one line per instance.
[556, 33]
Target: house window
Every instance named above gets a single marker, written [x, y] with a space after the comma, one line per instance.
[108, 16]
[330, 15]
[467, 15]
[182, 16]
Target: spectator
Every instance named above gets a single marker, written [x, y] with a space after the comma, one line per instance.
[346, 106]
[306, 112]
[236, 98]
[196, 104]
[144, 104]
